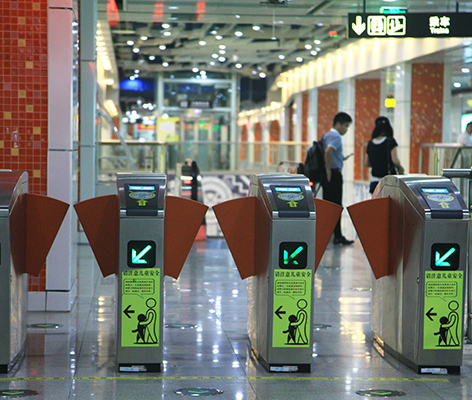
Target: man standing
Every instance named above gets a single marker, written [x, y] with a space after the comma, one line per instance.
[464, 137]
[333, 184]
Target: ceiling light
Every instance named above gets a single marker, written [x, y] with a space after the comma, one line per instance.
[129, 42]
[238, 33]
[165, 26]
[165, 64]
[222, 46]
[173, 8]
[152, 58]
[167, 33]
[162, 47]
[281, 57]
[222, 51]
[308, 46]
[109, 82]
[237, 16]
[132, 78]
[144, 38]
[202, 43]
[457, 85]
[213, 32]
[317, 41]
[254, 72]
[136, 50]
[221, 59]
[465, 70]
[215, 55]
[212, 63]
[314, 53]
[195, 70]
[136, 71]
[203, 73]
[299, 59]
[256, 28]
[318, 48]
[238, 65]
[219, 37]
[262, 75]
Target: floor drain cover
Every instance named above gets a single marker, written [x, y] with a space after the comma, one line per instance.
[319, 327]
[181, 326]
[380, 393]
[14, 394]
[45, 326]
[198, 391]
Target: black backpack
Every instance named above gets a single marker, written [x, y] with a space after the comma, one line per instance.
[315, 167]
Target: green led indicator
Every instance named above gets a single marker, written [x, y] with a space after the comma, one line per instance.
[290, 258]
[141, 253]
[445, 256]
[441, 260]
[293, 255]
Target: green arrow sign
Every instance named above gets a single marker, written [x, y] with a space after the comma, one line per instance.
[441, 261]
[293, 255]
[290, 257]
[138, 258]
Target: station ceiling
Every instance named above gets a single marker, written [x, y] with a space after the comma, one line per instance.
[250, 37]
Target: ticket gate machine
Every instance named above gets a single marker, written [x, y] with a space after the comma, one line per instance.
[28, 226]
[275, 240]
[417, 246]
[140, 235]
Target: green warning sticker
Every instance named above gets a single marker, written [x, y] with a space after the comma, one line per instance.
[443, 304]
[140, 308]
[292, 308]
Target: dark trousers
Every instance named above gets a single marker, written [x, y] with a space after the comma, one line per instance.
[333, 191]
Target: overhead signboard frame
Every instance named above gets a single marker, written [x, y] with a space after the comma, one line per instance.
[410, 25]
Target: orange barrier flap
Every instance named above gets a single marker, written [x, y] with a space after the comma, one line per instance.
[44, 216]
[371, 219]
[100, 218]
[327, 216]
[182, 219]
[18, 234]
[237, 219]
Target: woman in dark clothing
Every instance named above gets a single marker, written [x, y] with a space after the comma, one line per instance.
[382, 154]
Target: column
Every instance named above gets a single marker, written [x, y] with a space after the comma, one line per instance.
[401, 126]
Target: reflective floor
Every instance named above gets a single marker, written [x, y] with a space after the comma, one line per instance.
[77, 359]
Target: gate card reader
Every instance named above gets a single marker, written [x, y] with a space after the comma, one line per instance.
[421, 224]
[140, 235]
[273, 236]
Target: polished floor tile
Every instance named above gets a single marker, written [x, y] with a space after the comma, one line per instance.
[206, 340]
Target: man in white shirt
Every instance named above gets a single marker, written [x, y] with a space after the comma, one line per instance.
[464, 138]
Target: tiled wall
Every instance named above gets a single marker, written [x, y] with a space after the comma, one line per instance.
[367, 110]
[243, 150]
[257, 139]
[427, 87]
[24, 94]
[327, 109]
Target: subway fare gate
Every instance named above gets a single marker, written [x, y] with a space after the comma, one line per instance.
[417, 247]
[28, 226]
[150, 237]
[277, 236]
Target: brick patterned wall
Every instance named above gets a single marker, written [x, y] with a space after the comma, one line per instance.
[24, 89]
[24, 95]
[427, 87]
[327, 109]
[367, 110]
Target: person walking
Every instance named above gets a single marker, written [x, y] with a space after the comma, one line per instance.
[333, 182]
[382, 154]
[464, 138]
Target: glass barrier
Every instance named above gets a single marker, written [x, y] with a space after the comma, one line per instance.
[152, 156]
[434, 157]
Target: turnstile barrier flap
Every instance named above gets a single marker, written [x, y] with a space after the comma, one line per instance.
[100, 218]
[182, 219]
[34, 222]
[327, 215]
[246, 229]
[371, 218]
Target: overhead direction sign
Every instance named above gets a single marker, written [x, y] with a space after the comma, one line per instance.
[416, 25]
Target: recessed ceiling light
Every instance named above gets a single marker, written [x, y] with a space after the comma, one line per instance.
[195, 70]
[262, 75]
[256, 28]
[238, 65]
[173, 8]
[136, 71]
[165, 64]
[162, 47]
[144, 38]
[165, 26]
[202, 43]
[237, 16]
[457, 85]
[308, 46]
[222, 52]
[465, 70]
[317, 41]
[299, 59]
[167, 33]
[314, 53]
[129, 42]
[213, 32]
[222, 46]
[219, 37]
[254, 72]
[214, 55]
[221, 59]
[212, 63]
[136, 50]
[132, 78]
[238, 33]
[281, 56]
[152, 58]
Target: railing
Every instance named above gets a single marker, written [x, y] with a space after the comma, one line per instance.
[154, 156]
[434, 157]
